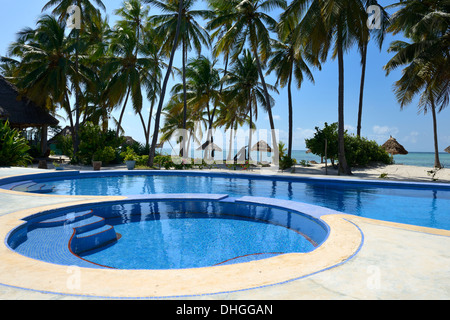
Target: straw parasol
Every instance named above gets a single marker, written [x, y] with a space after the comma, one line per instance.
[261, 146]
[393, 147]
[447, 149]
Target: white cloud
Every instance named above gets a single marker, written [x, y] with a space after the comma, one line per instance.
[275, 117]
[385, 130]
[349, 128]
[381, 133]
[412, 137]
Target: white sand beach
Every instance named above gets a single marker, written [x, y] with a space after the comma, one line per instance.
[395, 172]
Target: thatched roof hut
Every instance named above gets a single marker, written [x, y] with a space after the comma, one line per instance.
[447, 149]
[393, 147]
[261, 146]
[22, 113]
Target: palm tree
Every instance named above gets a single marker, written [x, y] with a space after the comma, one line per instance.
[244, 91]
[202, 89]
[379, 35]
[95, 43]
[426, 58]
[249, 23]
[289, 64]
[164, 86]
[130, 72]
[61, 8]
[130, 68]
[231, 118]
[324, 24]
[192, 34]
[44, 67]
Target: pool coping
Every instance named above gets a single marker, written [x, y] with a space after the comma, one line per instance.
[344, 242]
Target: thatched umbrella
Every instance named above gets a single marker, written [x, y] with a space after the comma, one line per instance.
[447, 149]
[261, 146]
[393, 147]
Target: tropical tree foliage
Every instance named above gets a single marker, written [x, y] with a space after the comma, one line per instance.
[427, 69]
[13, 147]
[93, 71]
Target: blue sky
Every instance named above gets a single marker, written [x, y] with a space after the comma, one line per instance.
[313, 104]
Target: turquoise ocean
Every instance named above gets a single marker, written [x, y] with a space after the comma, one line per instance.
[421, 159]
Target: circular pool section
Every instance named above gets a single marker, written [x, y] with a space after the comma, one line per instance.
[167, 233]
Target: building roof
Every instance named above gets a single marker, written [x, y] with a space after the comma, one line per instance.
[20, 111]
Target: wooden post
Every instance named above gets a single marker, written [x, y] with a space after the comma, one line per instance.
[44, 136]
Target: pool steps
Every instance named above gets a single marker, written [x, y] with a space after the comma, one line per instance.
[32, 187]
[89, 231]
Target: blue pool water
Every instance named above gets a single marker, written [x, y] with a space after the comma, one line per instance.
[166, 234]
[403, 203]
[192, 241]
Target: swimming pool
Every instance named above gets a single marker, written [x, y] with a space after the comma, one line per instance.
[421, 204]
[167, 234]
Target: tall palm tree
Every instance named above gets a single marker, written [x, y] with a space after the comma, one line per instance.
[61, 8]
[244, 91]
[44, 64]
[426, 57]
[164, 86]
[134, 70]
[192, 33]
[130, 71]
[289, 64]
[250, 24]
[379, 35]
[327, 23]
[202, 88]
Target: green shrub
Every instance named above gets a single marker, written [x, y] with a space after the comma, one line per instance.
[129, 155]
[163, 161]
[285, 162]
[13, 147]
[105, 155]
[359, 151]
[95, 143]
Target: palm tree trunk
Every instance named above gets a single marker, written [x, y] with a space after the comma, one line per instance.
[151, 155]
[184, 93]
[122, 113]
[76, 141]
[149, 123]
[361, 89]
[269, 108]
[250, 128]
[290, 116]
[437, 163]
[69, 113]
[343, 166]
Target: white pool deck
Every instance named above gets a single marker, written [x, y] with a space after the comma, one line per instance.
[362, 259]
